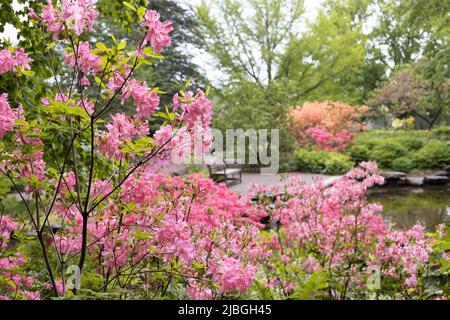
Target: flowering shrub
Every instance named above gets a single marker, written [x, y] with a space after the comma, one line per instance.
[327, 126]
[335, 233]
[79, 157]
[182, 228]
[14, 282]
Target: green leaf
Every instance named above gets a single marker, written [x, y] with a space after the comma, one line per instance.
[148, 51]
[122, 45]
[313, 288]
[130, 6]
[51, 45]
[97, 79]
[127, 150]
[22, 123]
[161, 115]
[198, 265]
[62, 109]
[264, 291]
[187, 82]
[142, 235]
[101, 46]
[141, 12]
[28, 73]
[144, 142]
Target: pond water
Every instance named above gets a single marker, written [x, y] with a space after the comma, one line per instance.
[405, 207]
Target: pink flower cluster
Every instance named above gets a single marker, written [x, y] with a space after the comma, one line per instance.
[7, 115]
[18, 284]
[403, 252]
[158, 32]
[327, 227]
[7, 226]
[32, 162]
[146, 101]
[233, 275]
[183, 223]
[328, 126]
[85, 60]
[32, 165]
[12, 61]
[194, 112]
[173, 140]
[329, 141]
[121, 129]
[175, 144]
[75, 15]
[196, 109]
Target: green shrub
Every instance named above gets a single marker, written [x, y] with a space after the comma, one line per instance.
[386, 152]
[309, 161]
[441, 133]
[359, 153]
[399, 150]
[433, 155]
[411, 139]
[337, 163]
[403, 164]
[322, 162]
[411, 143]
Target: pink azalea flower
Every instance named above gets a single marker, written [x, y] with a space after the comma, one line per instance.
[158, 32]
[86, 60]
[11, 61]
[85, 81]
[119, 131]
[77, 15]
[198, 109]
[146, 101]
[7, 116]
[101, 187]
[50, 17]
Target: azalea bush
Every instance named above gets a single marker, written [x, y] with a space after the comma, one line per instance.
[327, 242]
[168, 237]
[327, 126]
[72, 158]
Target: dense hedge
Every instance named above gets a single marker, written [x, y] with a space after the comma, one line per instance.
[393, 150]
[321, 162]
[404, 150]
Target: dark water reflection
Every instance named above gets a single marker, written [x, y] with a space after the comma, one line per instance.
[405, 207]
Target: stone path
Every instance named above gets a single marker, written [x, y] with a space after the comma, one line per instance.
[248, 178]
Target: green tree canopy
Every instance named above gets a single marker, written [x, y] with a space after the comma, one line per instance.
[247, 37]
[323, 63]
